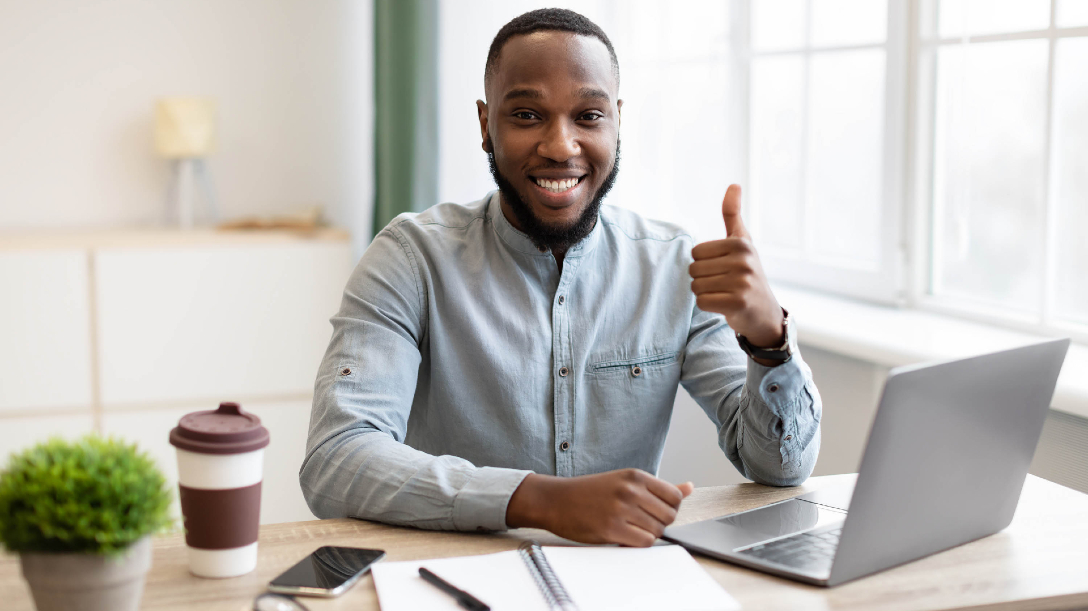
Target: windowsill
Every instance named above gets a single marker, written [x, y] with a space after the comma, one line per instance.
[893, 337]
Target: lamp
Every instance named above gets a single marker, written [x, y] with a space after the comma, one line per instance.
[185, 133]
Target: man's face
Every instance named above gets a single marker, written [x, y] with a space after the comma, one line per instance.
[552, 126]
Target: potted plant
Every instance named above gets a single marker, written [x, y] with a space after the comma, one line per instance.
[80, 515]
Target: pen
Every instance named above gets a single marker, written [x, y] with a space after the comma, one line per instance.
[464, 599]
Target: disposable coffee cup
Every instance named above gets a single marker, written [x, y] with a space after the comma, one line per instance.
[220, 464]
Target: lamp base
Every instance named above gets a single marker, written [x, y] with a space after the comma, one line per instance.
[189, 175]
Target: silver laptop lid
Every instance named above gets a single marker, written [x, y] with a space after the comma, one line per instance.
[947, 456]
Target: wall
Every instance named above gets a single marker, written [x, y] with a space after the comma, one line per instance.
[293, 80]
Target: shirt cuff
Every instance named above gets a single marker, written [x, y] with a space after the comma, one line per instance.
[778, 387]
[481, 503]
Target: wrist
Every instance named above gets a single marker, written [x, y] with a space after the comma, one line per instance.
[529, 505]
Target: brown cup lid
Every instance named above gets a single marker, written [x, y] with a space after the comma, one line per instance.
[227, 430]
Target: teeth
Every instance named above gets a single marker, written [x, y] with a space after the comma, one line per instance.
[557, 186]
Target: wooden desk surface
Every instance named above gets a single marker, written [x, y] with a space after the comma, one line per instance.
[1039, 562]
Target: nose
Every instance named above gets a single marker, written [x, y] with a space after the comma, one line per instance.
[559, 142]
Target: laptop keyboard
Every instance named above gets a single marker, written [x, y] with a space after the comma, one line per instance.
[811, 551]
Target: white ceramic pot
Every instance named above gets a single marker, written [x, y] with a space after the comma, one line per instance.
[88, 582]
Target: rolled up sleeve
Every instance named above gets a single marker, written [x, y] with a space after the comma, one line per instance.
[768, 418]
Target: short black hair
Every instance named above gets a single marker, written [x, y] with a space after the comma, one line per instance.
[548, 19]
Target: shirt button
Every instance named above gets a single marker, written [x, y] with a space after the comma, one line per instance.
[789, 437]
[346, 371]
[564, 446]
[563, 371]
[636, 371]
[562, 299]
[773, 388]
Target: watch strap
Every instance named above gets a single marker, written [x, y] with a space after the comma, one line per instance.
[781, 354]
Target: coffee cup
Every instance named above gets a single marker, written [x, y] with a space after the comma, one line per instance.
[220, 465]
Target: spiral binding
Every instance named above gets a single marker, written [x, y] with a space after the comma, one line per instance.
[550, 586]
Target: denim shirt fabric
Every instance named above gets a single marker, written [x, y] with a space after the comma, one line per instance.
[461, 360]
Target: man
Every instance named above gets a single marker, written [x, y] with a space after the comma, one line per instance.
[513, 362]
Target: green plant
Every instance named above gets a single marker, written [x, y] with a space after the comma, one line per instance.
[92, 495]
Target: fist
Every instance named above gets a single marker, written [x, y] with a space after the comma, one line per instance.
[628, 506]
[727, 278]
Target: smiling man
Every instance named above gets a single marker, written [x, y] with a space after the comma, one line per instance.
[513, 362]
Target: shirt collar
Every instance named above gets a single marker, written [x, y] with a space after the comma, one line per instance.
[521, 242]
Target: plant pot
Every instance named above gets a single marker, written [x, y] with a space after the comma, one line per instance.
[88, 582]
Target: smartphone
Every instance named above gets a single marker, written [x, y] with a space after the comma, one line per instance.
[328, 571]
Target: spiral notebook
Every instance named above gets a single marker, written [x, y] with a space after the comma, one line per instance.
[535, 578]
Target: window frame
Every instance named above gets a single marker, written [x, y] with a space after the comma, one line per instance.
[887, 283]
[925, 42]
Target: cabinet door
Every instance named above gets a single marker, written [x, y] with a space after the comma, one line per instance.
[17, 434]
[45, 331]
[286, 421]
[215, 323]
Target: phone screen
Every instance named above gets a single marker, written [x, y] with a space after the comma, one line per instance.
[328, 568]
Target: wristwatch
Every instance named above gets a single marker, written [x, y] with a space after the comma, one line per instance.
[782, 353]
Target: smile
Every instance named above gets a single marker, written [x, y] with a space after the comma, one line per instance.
[558, 186]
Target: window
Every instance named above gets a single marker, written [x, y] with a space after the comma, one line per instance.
[1004, 172]
[825, 142]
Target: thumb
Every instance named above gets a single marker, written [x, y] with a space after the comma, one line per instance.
[734, 225]
[686, 488]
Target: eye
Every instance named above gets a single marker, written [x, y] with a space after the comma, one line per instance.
[591, 116]
[525, 115]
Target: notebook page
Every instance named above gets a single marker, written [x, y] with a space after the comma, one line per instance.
[636, 579]
[501, 580]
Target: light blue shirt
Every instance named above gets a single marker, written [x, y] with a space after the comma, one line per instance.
[461, 360]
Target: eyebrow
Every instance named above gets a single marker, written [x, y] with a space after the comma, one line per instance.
[535, 94]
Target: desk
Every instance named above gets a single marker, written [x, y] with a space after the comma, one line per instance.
[1039, 562]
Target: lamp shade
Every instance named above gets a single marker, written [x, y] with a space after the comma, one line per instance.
[184, 127]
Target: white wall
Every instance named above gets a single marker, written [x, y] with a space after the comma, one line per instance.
[78, 80]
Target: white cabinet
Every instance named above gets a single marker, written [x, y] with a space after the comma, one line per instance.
[124, 332]
[45, 331]
[220, 322]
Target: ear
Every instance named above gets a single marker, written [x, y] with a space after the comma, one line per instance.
[481, 111]
[619, 112]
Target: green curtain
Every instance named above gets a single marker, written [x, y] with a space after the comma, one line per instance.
[405, 107]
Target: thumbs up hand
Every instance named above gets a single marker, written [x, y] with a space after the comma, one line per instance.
[728, 279]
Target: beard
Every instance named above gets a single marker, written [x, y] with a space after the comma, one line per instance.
[546, 236]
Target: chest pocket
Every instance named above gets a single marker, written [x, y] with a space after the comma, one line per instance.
[649, 366]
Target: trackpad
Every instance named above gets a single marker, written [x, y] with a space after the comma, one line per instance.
[781, 519]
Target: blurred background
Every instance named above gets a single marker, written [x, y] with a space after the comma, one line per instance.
[914, 175]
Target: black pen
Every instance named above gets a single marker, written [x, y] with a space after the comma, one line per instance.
[464, 599]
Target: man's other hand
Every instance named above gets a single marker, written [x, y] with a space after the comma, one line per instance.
[727, 278]
[628, 506]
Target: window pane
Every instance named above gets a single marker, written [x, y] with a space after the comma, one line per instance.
[778, 24]
[846, 136]
[988, 172]
[1071, 187]
[967, 17]
[777, 121]
[1072, 13]
[849, 22]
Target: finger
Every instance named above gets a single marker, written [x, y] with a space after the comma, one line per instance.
[719, 248]
[734, 225]
[633, 535]
[659, 510]
[686, 489]
[664, 491]
[720, 302]
[724, 283]
[719, 265]
[647, 522]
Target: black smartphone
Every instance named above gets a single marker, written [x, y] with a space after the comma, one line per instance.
[328, 571]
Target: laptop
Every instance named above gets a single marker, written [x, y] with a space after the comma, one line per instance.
[945, 462]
